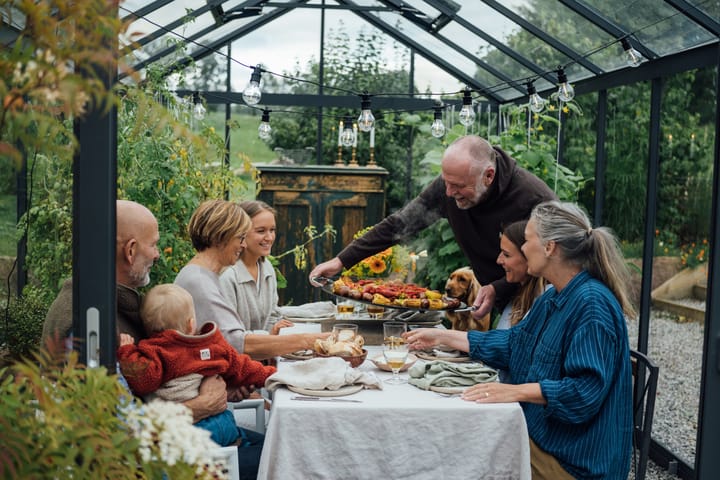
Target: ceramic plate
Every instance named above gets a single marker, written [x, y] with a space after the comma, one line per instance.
[311, 319]
[342, 391]
[299, 355]
[379, 362]
[432, 356]
[449, 390]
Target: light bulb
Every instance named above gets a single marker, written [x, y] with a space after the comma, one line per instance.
[566, 92]
[467, 113]
[632, 56]
[366, 120]
[347, 137]
[437, 129]
[252, 93]
[264, 129]
[535, 102]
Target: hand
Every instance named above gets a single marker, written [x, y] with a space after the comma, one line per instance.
[421, 338]
[326, 269]
[275, 330]
[309, 339]
[241, 393]
[484, 302]
[126, 339]
[491, 392]
[212, 397]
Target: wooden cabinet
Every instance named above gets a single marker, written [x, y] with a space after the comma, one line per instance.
[349, 199]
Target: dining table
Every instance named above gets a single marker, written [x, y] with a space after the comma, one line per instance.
[398, 432]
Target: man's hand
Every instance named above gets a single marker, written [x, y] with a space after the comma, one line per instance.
[326, 269]
[211, 400]
[241, 393]
[484, 302]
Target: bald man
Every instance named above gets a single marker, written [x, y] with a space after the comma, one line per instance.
[136, 251]
[481, 188]
[137, 237]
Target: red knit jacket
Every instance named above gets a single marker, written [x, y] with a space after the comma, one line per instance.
[171, 354]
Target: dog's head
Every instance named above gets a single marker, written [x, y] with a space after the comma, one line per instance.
[461, 284]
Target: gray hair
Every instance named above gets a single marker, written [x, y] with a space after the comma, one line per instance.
[594, 249]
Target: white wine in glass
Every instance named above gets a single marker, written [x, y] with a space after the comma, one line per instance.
[395, 349]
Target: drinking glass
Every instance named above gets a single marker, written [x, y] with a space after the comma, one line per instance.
[344, 332]
[345, 308]
[395, 350]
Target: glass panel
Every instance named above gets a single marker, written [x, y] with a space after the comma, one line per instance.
[712, 9]
[659, 26]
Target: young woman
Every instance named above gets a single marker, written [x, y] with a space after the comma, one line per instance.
[513, 261]
[250, 285]
[569, 360]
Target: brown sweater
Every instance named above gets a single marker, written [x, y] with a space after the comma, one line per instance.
[511, 197]
[58, 321]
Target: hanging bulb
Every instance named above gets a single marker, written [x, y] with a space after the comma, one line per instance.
[535, 102]
[566, 92]
[467, 113]
[437, 129]
[198, 109]
[632, 56]
[347, 138]
[251, 95]
[264, 130]
[366, 120]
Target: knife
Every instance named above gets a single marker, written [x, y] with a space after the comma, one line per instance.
[331, 399]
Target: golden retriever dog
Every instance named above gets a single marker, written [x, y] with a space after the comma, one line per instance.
[463, 285]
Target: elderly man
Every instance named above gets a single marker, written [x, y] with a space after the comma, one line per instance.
[136, 252]
[480, 189]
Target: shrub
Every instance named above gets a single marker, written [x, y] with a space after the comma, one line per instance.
[24, 320]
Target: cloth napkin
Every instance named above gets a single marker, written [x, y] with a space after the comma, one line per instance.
[327, 373]
[309, 310]
[448, 374]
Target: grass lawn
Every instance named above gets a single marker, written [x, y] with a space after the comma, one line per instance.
[243, 140]
[7, 225]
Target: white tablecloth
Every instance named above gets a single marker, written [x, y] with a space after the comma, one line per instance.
[395, 433]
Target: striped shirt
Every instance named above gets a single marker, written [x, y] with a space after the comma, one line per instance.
[574, 343]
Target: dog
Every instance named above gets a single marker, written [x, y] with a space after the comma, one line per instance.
[463, 285]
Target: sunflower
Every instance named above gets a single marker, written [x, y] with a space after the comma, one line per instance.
[377, 265]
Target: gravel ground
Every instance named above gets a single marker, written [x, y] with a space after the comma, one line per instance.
[677, 349]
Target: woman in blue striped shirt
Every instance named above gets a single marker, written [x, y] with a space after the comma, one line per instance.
[569, 360]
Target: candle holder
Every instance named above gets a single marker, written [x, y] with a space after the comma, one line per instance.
[339, 160]
[371, 163]
[353, 159]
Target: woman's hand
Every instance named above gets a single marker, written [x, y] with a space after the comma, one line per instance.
[422, 338]
[284, 322]
[495, 392]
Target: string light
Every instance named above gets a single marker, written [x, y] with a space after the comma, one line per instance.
[366, 120]
[347, 137]
[535, 102]
[252, 93]
[566, 92]
[632, 56]
[437, 129]
[264, 129]
[467, 113]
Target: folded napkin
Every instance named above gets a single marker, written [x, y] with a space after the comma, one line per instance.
[327, 373]
[448, 374]
[309, 310]
[447, 353]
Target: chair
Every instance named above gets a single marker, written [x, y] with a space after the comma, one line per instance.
[259, 405]
[645, 377]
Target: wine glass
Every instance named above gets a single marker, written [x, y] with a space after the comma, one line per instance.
[395, 350]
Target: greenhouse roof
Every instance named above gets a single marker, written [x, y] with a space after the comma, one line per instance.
[493, 47]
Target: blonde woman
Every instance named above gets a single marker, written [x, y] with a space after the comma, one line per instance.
[218, 229]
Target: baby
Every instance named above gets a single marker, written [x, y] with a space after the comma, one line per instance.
[172, 362]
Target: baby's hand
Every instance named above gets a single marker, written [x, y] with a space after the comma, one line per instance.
[126, 339]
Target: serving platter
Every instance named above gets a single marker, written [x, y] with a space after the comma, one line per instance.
[327, 287]
[431, 356]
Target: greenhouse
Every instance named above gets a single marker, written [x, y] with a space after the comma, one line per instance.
[336, 115]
